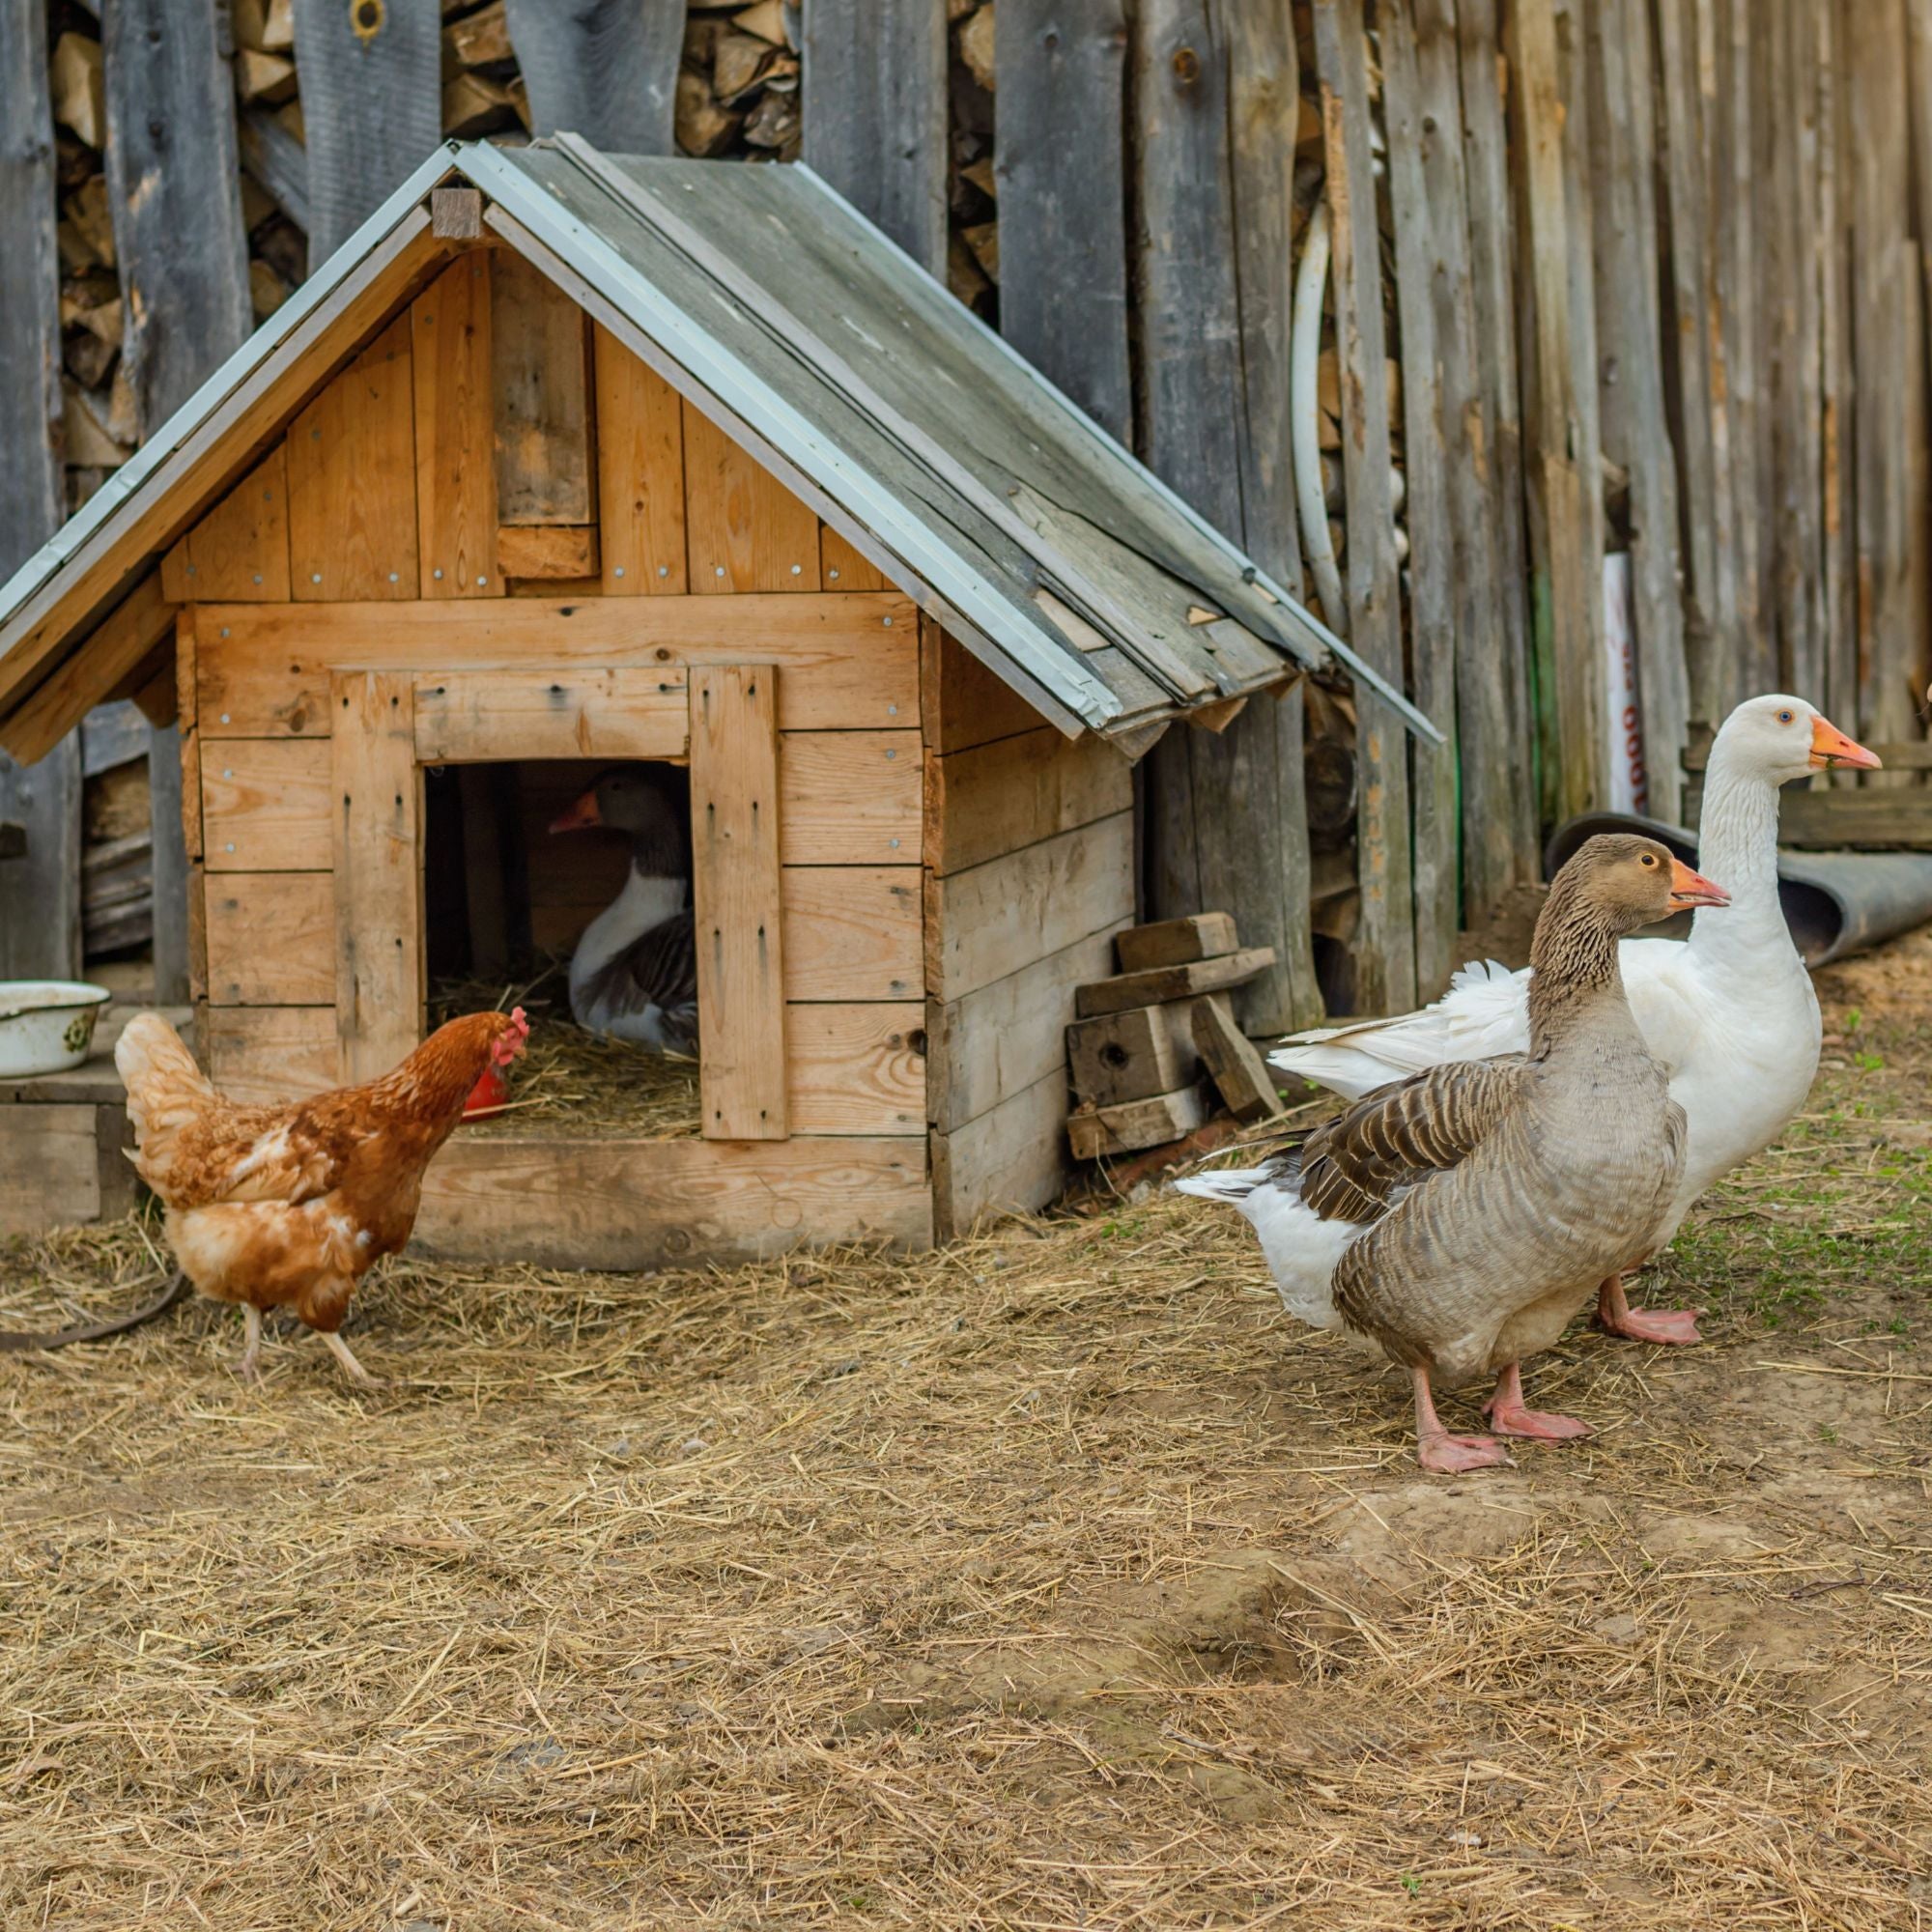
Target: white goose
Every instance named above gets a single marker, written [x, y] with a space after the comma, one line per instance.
[1729, 1013]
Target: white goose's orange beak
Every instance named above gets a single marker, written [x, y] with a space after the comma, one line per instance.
[1688, 889]
[1830, 748]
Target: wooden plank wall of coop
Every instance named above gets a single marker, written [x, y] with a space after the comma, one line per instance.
[374, 539]
[1030, 872]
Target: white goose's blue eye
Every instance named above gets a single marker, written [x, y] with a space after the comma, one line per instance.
[1784, 718]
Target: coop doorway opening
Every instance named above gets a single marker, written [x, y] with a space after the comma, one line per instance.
[564, 886]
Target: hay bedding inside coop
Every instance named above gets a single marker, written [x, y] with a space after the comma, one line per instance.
[1048, 1579]
[569, 1081]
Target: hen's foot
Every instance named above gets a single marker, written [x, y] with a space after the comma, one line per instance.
[1616, 1317]
[1442, 1453]
[249, 1368]
[357, 1373]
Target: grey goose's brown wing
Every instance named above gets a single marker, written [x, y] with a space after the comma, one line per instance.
[1354, 1166]
[658, 968]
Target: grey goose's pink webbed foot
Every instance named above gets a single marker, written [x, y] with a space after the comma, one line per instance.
[1443, 1454]
[1510, 1415]
[1616, 1317]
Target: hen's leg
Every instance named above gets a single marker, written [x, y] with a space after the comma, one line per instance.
[1510, 1415]
[1617, 1317]
[250, 1366]
[339, 1349]
[1445, 1454]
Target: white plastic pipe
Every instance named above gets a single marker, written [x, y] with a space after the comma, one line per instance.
[1305, 357]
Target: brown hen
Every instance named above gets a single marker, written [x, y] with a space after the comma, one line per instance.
[289, 1207]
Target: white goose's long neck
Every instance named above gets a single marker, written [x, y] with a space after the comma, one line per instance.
[1737, 846]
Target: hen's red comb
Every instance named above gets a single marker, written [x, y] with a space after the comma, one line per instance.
[523, 1025]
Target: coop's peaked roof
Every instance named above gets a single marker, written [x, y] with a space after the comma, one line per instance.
[781, 312]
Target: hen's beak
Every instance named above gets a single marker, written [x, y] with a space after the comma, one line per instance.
[584, 813]
[1689, 889]
[1829, 748]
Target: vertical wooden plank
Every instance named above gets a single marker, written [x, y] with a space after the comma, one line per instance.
[174, 182]
[840, 567]
[735, 891]
[40, 893]
[1226, 818]
[372, 107]
[602, 69]
[1832, 252]
[377, 809]
[640, 475]
[1384, 952]
[874, 75]
[1636, 431]
[239, 553]
[744, 529]
[1499, 703]
[1687, 364]
[456, 475]
[1561, 457]
[1883, 259]
[1431, 561]
[1062, 203]
[352, 468]
[171, 949]
[540, 355]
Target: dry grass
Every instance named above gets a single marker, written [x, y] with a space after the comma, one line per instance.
[600, 1089]
[1051, 1580]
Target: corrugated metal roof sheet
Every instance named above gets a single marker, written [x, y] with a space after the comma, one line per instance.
[942, 454]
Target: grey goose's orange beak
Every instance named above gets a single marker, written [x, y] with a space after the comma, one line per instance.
[1831, 749]
[1689, 889]
[584, 813]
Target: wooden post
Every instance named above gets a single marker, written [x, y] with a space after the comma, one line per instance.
[735, 891]
[377, 812]
[1063, 204]
[606, 70]
[372, 107]
[1565, 488]
[875, 114]
[1504, 693]
[1431, 561]
[1636, 431]
[39, 890]
[1227, 826]
[1385, 950]
[184, 262]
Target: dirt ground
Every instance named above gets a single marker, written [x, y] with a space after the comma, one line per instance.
[1051, 1581]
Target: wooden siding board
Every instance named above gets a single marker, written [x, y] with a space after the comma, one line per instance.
[455, 429]
[849, 798]
[875, 73]
[486, 717]
[239, 553]
[744, 529]
[376, 805]
[540, 360]
[630, 1205]
[987, 922]
[1063, 204]
[640, 477]
[351, 478]
[854, 659]
[266, 1054]
[265, 806]
[856, 1069]
[372, 109]
[853, 933]
[1385, 950]
[271, 938]
[737, 819]
[1016, 791]
[1012, 1159]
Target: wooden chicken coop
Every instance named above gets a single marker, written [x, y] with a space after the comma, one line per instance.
[564, 460]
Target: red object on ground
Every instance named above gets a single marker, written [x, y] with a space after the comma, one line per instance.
[490, 1096]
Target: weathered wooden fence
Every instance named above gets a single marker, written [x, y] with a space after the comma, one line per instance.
[1614, 315]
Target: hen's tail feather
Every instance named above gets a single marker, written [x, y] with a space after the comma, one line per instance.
[165, 1088]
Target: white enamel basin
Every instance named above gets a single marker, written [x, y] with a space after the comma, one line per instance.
[47, 1026]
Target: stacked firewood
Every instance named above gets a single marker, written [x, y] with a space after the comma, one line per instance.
[738, 88]
[1155, 1043]
[973, 241]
